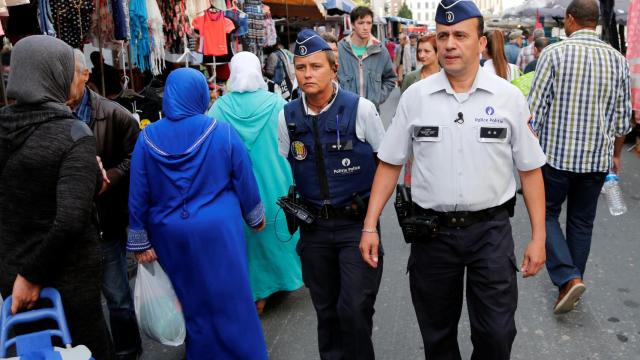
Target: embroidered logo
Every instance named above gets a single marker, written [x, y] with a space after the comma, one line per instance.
[489, 110]
[346, 162]
[298, 150]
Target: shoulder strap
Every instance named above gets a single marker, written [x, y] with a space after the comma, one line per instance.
[320, 168]
[319, 155]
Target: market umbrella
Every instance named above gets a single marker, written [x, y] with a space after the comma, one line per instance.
[558, 8]
[547, 8]
[621, 8]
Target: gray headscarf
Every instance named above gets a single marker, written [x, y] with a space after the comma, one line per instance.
[42, 70]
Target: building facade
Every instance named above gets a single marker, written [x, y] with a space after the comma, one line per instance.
[424, 11]
[493, 7]
[393, 6]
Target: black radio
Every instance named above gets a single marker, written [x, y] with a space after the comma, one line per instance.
[294, 212]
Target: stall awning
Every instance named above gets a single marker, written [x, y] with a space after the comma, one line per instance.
[337, 7]
[312, 9]
[400, 20]
[379, 20]
[417, 29]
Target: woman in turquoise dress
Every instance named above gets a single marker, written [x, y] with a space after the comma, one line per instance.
[274, 264]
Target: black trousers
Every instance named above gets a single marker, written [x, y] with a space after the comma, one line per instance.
[343, 288]
[436, 274]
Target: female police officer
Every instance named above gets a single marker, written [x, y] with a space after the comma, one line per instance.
[466, 129]
[329, 137]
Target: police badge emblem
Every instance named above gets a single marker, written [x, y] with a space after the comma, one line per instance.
[298, 150]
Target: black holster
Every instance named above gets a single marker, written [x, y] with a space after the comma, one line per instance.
[415, 227]
[295, 213]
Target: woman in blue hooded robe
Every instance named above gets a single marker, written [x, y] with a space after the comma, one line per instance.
[192, 186]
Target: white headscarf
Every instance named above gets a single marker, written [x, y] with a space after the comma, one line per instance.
[246, 73]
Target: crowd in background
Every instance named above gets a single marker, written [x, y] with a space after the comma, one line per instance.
[198, 192]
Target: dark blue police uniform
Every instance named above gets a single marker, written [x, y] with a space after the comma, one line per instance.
[333, 171]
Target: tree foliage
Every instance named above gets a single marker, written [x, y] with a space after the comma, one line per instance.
[405, 12]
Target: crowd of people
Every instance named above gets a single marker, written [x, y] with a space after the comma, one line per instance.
[80, 184]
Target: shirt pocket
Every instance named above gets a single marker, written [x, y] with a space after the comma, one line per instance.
[499, 134]
[428, 133]
[343, 162]
[346, 80]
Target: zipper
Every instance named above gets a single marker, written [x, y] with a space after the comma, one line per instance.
[361, 77]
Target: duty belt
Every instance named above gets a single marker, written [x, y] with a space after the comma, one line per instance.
[352, 210]
[467, 218]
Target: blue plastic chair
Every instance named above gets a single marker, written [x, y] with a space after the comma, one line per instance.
[38, 341]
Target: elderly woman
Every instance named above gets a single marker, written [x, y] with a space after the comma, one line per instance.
[191, 187]
[253, 111]
[48, 179]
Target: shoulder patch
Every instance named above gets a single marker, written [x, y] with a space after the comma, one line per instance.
[79, 130]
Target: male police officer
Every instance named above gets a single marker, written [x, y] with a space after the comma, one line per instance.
[330, 137]
[466, 129]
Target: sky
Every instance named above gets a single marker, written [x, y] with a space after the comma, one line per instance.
[511, 3]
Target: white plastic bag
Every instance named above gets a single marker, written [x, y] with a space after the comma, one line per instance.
[158, 310]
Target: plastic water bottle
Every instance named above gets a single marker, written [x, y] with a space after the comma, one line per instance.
[614, 195]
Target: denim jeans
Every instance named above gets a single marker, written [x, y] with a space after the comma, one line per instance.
[117, 292]
[567, 256]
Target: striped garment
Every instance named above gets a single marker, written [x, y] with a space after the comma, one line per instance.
[580, 102]
[633, 53]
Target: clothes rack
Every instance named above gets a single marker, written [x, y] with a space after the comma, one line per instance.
[213, 78]
[103, 87]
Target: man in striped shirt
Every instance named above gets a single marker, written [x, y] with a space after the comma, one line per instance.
[581, 111]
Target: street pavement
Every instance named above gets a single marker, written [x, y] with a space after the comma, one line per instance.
[605, 325]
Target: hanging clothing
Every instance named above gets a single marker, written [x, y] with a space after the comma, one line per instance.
[102, 24]
[44, 18]
[140, 38]
[191, 187]
[23, 21]
[255, 39]
[271, 36]
[4, 12]
[213, 27]
[72, 20]
[120, 20]
[195, 8]
[633, 52]
[154, 19]
[176, 26]
[16, 2]
[274, 264]
[240, 20]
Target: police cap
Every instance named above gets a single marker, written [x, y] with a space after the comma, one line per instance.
[309, 43]
[451, 12]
